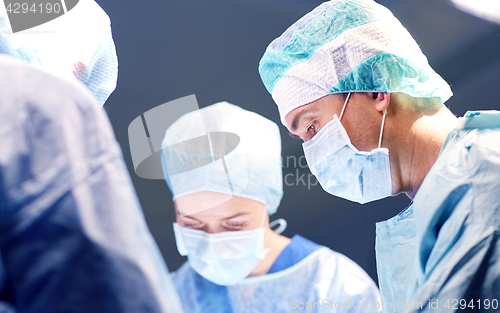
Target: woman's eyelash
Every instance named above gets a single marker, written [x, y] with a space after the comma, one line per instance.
[235, 225]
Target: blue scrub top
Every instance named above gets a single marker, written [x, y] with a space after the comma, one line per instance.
[444, 250]
[303, 272]
[187, 281]
[298, 248]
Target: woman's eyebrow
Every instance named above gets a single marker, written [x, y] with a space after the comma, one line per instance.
[191, 218]
[185, 216]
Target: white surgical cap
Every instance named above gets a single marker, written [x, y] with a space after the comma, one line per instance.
[346, 46]
[77, 44]
[253, 167]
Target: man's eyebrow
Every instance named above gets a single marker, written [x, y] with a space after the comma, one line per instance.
[300, 116]
[296, 121]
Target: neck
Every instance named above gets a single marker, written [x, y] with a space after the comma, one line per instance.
[432, 132]
[276, 243]
[420, 139]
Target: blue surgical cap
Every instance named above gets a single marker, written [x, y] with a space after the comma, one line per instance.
[77, 44]
[249, 167]
[346, 46]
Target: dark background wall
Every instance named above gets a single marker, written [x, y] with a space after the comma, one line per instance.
[211, 48]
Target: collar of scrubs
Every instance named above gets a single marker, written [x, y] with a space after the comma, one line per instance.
[395, 248]
[479, 119]
[268, 277]
[298, 248]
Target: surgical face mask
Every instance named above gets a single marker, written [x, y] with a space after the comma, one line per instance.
[344, 171]
[223, 258]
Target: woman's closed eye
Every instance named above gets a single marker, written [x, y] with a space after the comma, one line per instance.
[191, 223]
[234, 225]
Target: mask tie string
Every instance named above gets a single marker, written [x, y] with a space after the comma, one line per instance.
[282, 225]
[382, 129]
[265, 251]
[343, 108]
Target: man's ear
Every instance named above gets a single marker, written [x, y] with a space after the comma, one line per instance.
[381, 100]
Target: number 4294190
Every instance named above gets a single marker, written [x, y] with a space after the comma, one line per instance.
[462, 304]
[34, 8]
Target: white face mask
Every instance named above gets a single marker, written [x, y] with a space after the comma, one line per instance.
[344, 171]
[223, 258]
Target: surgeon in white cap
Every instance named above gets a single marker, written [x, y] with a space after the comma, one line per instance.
[223, 167]
[351, 82]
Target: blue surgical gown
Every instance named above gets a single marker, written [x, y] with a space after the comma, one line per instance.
[444, 250]
[303, 273]
[72, 234]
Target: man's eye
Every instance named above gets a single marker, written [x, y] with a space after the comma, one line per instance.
[312, 128]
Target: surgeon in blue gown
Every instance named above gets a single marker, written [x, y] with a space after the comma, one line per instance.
[351, 82]
[236, 262]
[72, 234]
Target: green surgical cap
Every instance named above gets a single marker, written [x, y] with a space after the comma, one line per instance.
[346, 46]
